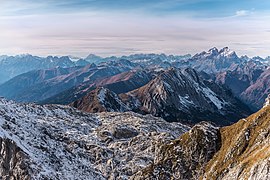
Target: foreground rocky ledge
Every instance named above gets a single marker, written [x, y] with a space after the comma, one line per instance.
[58, 142]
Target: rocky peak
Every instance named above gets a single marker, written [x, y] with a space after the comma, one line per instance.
[92, 56]
[213, 51]
[226, 52]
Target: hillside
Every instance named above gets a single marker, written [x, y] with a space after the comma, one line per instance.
[239, 151]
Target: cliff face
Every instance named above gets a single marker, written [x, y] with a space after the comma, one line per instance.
[13, 161]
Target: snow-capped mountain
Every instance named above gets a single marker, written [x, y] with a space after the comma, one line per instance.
[213, 61]
[242, 75]
[176, 95]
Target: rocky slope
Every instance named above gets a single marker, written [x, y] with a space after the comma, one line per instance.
[257, 91]
[185, 157]
[58, 142]
[239, 151]
[100, 100]
[248, 82]
[181, 95]
[245, 149]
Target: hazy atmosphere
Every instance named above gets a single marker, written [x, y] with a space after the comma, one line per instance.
[135, 89]
[104, 27]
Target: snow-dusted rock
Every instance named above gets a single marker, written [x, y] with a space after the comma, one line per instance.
[267, 101]
[185, 157]
[59, 142]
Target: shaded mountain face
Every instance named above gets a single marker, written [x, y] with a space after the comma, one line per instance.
[248, 82]
[257, 91]
[205, 152]
[181, 95]
[119, 83]
[59, 142]
[175, 95]
[100, 100]
[24, 82]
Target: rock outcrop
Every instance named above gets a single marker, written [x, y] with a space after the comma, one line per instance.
[14, 163]
[185, 157]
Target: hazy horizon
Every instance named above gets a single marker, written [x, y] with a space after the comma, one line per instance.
[117, 28]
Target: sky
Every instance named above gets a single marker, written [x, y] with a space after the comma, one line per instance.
[122, 27]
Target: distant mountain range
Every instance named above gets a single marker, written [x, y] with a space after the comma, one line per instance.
[216, 85]
[11, 66]
[214, 60]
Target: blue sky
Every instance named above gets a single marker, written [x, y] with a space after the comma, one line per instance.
[116, 27]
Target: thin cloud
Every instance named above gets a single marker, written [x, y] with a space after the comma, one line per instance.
[62, 27]
[242, 13]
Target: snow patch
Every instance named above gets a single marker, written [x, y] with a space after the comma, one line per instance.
[213, 98]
